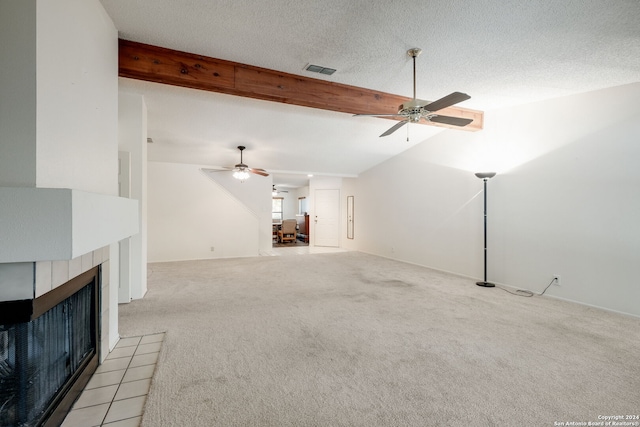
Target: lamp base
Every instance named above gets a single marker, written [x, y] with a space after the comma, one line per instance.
[486, 284]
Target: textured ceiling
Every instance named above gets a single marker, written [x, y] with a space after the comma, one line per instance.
[502, 53]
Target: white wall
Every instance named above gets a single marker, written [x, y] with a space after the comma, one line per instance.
[18, 93]
[253, 195]
[565, 201]
[77, 104]
[411, 210]
[188, 213]
[62, 131]
[132, 138]
[58, 95]
[574, 212]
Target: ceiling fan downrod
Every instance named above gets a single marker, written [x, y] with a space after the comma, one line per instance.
[414, 53]
[241, 148]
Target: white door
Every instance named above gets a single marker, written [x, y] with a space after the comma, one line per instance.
[327, 218]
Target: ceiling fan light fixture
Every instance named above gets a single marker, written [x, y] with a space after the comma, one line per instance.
[241, 174]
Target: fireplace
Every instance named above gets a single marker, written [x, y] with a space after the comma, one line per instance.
[48, 351]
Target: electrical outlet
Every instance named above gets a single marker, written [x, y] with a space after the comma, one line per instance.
[556, 279]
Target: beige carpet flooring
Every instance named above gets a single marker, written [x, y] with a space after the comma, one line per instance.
[351, 339]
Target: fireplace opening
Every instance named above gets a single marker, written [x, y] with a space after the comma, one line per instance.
[48, 352]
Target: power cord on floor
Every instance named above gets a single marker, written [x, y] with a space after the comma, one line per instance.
[528, 294]
[519, 292]
[550, 283]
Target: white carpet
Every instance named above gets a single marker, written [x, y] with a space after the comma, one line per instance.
[351, 339]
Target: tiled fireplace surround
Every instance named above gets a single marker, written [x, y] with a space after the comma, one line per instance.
[44, 276]
[40, 277]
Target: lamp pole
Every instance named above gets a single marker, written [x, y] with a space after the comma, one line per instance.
[485, 176]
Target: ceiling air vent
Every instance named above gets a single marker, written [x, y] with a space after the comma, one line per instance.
[319, 69]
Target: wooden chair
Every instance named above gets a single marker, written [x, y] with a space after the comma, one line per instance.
[287, 231]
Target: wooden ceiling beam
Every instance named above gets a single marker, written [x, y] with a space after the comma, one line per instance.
[160, 65]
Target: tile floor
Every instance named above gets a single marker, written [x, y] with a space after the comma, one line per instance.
[116, 393]
[300, 250]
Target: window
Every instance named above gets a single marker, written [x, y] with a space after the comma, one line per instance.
[276, 209]
[302, 206]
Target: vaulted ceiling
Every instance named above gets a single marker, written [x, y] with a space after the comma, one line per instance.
[501, 53]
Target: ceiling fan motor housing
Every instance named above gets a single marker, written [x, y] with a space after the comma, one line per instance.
[414, 103]
[414, 109]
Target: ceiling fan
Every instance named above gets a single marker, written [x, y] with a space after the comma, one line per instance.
[275, 191]
[415, 110]
[242, 171]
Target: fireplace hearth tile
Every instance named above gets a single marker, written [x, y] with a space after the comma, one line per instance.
[148, 339]
[96, 396]
[121, 352]
[86, 417]
[105, 379]
[139, 373]
[114, 365]
[128, 401]
[144, 359]
[129, 422]
[128, 342]
[133, 389]
[127, 408]
[148, 348]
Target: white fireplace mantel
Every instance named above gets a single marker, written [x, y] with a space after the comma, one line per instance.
[46, 224]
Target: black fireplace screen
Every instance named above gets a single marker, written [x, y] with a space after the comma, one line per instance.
[38, 358]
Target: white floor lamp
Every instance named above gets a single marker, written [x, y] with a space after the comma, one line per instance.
[485, 176]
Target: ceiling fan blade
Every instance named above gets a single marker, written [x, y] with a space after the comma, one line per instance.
[259, 171]
[395, 127]
[455, 121]
[207, 170]
[447, 101]
[377, 115]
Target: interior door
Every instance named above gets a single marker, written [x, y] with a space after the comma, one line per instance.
[327, 218]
